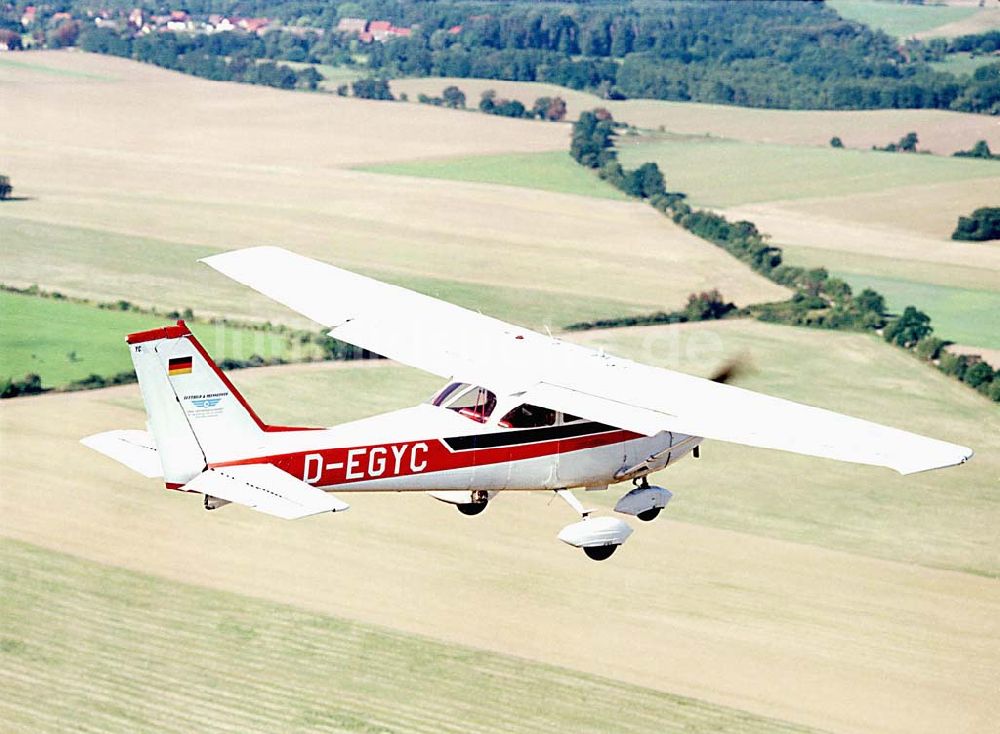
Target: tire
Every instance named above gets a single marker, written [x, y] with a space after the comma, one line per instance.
[471, 508]
[649, 515]
[600, 552]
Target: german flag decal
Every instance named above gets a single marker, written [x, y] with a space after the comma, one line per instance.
[179, 366]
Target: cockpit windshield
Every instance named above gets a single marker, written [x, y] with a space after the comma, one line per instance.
[475, 403]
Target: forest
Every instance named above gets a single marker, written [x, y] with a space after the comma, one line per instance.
[791, 55]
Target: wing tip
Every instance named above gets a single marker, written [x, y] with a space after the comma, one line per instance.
[962, 455]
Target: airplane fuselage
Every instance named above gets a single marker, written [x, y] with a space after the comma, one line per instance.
[428, 448]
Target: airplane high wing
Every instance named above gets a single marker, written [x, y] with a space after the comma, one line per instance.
[453, 342]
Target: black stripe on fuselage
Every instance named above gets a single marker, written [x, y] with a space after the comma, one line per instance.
[516, 437]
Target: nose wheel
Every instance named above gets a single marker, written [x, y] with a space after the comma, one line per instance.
[649, 515]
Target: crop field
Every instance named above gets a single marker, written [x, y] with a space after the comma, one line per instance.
[137, 230]
[268, 667]
[959, 314]
[808, 579]
[940, 131]
[903, 20]
[776, 593]
[554, 171]
[63, 341]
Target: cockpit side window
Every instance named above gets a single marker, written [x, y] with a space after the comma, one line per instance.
[476, 403]
[528, 416]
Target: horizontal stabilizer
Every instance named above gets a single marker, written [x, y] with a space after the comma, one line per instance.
[267, 489]
[135, 449]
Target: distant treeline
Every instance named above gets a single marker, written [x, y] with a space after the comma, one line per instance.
[819, 301]
[224, 57]
[791, 55]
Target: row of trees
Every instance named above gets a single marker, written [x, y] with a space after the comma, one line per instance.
[552, 109]
[819, 301]
[906, 144]
[704, 306]
[980, 150]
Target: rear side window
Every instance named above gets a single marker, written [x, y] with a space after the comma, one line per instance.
[529, 416]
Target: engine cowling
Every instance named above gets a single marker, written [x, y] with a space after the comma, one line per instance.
[644, 502]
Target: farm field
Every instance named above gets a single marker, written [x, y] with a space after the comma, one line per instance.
[963, 63]
[137, 230]
[724, 174]
[958, 314]
[764, 572]
[63, 341]
[940, 131]
[298, 670]
[904, 20]
[776, 592]
[554, 171]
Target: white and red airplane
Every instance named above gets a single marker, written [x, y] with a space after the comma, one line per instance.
[520, 411]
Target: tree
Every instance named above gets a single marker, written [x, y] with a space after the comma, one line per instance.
[978, 375]
[836, 142]
[487, 100]
[372, 89]
[453, 97]
[869, 301]
[5, 187]
[707, 305]
[908, 329]
[650, 180]
[982, 225]
[908, 143]
[556, 110]
[309, 78]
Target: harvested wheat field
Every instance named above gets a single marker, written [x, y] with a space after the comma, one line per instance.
[940, 131]
[113, 208]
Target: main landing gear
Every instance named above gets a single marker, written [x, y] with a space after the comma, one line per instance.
[599, 537]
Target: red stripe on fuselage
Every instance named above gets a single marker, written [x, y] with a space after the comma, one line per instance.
[334, 466]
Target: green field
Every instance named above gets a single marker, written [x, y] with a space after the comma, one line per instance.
[724, 173]
[963, 63]
[898, 19]
[333, 76]
[916, 271]
[63, 341]
[962, 315]
[118, 651]
[8, 64]
[554, 171]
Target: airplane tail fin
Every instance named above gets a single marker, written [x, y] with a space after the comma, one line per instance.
[196, 415]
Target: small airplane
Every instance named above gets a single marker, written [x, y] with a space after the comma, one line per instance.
[519, 411]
